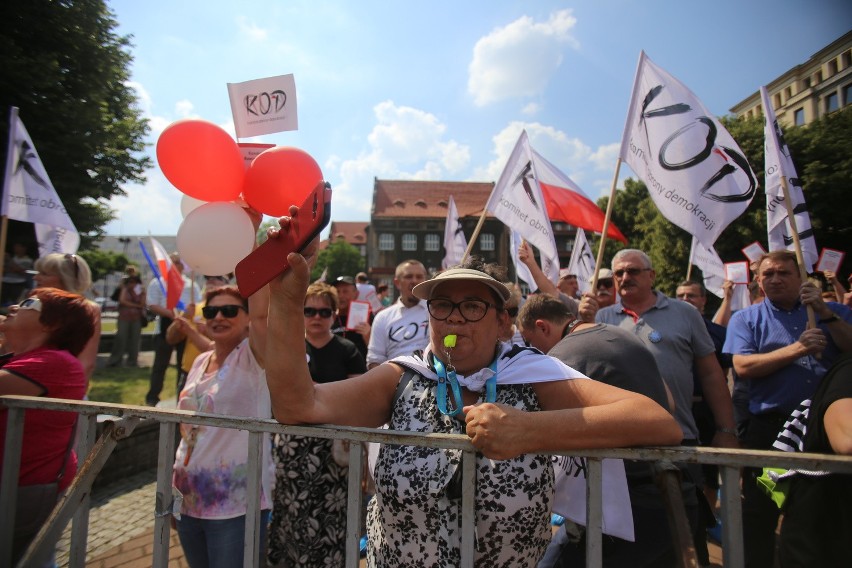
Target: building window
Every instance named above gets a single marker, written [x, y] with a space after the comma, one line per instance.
[806, 83]
[777, 100]
[788, 93]
[409, 241]
[847, 94]
[386, 241]
[486, 241]
[431, 242]
[831, 103]
[799, 117]
[847, 59]
[832, 67]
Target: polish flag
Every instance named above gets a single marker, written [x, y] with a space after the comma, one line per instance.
[170, 274]
[568, 203]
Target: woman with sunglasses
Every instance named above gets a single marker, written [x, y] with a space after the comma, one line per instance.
[512, 402]
[44, 334]
[309, 517]
[71, 273]
[210, 468]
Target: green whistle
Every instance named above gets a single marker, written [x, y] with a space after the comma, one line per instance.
[450, 341]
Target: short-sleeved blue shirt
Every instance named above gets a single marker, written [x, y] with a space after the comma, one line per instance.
[763, 328]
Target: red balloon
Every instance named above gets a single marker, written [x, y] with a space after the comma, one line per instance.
[280, 177]
[201, 160]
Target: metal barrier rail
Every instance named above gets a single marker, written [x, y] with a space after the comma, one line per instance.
[75, 503]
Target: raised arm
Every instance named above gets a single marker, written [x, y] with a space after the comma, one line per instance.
[360, 401]
[525, 255]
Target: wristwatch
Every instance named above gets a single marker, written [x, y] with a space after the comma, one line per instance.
[831, 319]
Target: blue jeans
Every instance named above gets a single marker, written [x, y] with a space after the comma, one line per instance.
[217, 543]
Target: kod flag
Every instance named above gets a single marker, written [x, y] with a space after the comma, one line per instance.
[695, 172]
[582, 262]
[521, 269]
[454, 241]
[264, 106]
[779, 163]
[29, 196]
[518, 202]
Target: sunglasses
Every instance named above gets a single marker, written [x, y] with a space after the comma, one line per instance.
[228, 311]
[321, 312]
[73, 258]
[605, 283]
[30, 304]
[630, 271]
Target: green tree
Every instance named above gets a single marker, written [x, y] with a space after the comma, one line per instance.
[341, 259]
[103, 262]
[67, 71]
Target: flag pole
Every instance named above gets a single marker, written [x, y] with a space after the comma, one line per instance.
[689, 262]
[475, 234]
[800, 258]
[605, 225]
[7, 179]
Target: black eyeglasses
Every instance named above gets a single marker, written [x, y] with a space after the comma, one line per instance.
[513, 312]
[321, 312]
[470, 310]
[630, 271]
[73, 258]
[228, 311]
[606, 283]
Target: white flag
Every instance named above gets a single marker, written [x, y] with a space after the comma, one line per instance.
[454, 242]
[779, 163]
[695, 172]
[29, 196]
[264, 106]
[518, 202]
[521, 269]
[713, 270]
[582, 262]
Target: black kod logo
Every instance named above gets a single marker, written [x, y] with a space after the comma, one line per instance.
[266, 103]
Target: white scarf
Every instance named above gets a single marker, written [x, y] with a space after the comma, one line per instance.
[515, 365]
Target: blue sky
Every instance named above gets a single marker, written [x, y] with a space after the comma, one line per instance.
[441, 89]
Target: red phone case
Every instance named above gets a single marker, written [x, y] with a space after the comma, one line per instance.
[270, 259]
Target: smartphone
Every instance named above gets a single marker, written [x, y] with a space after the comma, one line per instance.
[270, 259]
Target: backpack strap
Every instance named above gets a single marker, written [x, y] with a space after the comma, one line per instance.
[404, 381]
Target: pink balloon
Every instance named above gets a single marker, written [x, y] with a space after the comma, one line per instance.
[280, 177]
[201, 160]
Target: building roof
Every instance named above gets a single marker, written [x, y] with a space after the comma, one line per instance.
[411, 198]
[353, 232]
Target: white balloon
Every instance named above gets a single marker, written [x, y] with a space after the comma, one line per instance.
[189, 204]
[214, 237]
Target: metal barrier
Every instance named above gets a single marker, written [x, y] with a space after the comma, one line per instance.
[75, 503]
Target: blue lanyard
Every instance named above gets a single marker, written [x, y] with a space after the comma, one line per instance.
[449, 375]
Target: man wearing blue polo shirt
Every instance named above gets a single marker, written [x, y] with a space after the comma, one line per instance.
[783, 362]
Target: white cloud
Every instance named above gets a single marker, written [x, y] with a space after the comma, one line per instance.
[590, 168]
[518, 60]
[184, 109]
[251, 30]
[405, 143]
[531, 109]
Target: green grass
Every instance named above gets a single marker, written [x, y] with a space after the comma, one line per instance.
[128, 385]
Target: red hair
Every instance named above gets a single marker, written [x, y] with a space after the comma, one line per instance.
[70, 317]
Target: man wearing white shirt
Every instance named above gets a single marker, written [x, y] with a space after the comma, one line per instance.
[403, 327]
[367, 292]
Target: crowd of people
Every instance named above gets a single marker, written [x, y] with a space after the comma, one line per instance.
[464, 352]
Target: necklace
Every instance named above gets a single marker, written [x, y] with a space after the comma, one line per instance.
[570, 327]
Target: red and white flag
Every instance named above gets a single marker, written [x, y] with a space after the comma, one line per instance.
[170, 274]
[455, 244]
[518, 202]
[568, 203]
[695, 172]
[780, 163]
